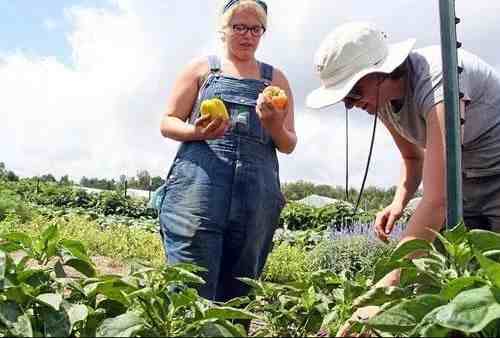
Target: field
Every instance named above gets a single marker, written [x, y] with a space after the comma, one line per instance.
[74, 263]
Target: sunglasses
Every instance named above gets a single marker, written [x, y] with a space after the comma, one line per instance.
[353, 96]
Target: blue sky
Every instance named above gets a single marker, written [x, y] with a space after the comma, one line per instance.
[38, 28]
[83, 83]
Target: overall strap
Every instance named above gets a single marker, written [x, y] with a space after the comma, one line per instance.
[214, 64]
[266, 72]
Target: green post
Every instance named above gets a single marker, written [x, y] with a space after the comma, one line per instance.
[451, 93]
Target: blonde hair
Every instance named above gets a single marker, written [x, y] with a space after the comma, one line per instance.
[225, 18]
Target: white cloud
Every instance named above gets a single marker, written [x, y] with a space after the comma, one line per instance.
[50, 24]
[100, 115]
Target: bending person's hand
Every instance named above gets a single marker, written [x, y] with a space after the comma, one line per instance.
[361, 314]
[385, 221]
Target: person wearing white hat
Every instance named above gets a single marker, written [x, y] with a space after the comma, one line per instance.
[404, 87]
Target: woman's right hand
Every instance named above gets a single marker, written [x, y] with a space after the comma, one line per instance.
[206, 129]
[386, 219]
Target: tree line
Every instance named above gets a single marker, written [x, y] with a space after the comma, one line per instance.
[374, 198]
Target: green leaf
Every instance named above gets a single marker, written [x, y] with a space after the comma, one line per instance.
[126, 325]
[450, 248]
[76, 313]
[490, 267]
[256, 286]
[214, 330]
[112, 307]
[385, 265]
[52, 300]
[428, 326]
[454, 287]
[429, 265]
[75, 248]
[10, 246]
[309, 298]
[84, 267]
[18, 294]
[409, 247]
[470, 311]
[15, 320]
[380, 295]
[236, 330]
[33, 277]
[184, 298]
[483, 240]
[457, 234]
[228, 313]
[177, 273]
[49, 239]
[406, 315]
[56, 323]
[3, 264]
[19, 237]
[237, 302]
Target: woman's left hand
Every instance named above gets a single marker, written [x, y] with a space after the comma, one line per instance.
[271, 118]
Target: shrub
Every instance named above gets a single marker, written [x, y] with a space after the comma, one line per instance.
[297, 216]
[286, 263]
[11, 204]
[355, 254]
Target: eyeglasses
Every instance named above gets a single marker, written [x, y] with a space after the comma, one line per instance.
[242, 29]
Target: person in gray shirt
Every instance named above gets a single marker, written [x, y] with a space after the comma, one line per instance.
[358, 66]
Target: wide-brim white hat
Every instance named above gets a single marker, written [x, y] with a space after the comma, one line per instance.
[349, 53]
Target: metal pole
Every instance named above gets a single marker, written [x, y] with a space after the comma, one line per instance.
[347, 155]
[451, 95]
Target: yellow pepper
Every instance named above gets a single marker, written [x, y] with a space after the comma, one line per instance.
[214, 108]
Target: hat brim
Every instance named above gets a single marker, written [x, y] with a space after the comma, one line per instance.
[327, 96]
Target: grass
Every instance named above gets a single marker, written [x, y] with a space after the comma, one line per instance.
[118, 242]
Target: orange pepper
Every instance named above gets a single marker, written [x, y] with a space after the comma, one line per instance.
[276, 96]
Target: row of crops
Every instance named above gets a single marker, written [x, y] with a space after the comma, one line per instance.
[317, 275]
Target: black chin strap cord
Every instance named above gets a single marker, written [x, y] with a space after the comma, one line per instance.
[374, 129]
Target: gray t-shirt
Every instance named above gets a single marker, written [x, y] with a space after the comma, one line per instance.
[479, 83]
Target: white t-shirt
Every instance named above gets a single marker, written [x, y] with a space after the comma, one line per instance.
[479, 83]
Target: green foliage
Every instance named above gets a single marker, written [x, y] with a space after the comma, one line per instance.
[373, 199]
[118, 241]
[301, 308]
[11, 204]
[350, 255]
[38, 299]
[297, 216]
[286, 263]
[453, 291]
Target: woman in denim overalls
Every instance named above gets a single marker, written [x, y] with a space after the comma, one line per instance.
[222, 194]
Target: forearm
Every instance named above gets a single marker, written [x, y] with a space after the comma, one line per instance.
[410, 178]
[176, 129]
[284, 139]
[428, 217]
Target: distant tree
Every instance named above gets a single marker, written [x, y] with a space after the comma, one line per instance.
[65, 180]
[373, 198]
[133, 183]
[156, 182]
[2, 169]
[123, 179]
[143, 179]
[11, 176]
[48, 178]
[84, 181]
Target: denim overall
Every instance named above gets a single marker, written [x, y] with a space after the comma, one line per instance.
[222, 197]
